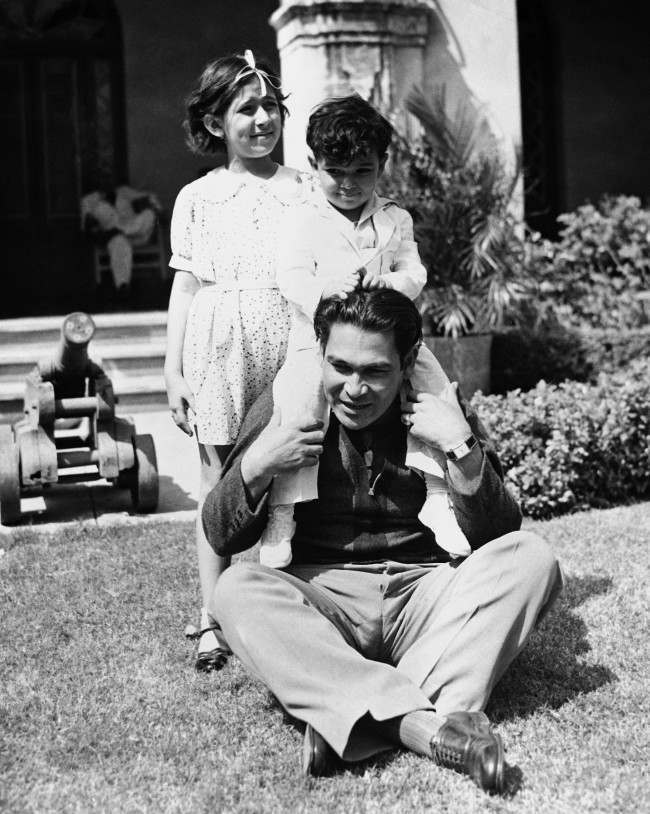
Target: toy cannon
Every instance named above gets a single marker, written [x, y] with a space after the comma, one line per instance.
[53, 443]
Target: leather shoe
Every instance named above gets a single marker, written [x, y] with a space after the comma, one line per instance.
[216, 657]
[467, 744]
[318, 757]
[207, 661]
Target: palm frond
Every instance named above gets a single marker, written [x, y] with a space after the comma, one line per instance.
[459, 193]
[453, 136]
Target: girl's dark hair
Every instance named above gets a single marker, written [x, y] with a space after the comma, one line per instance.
[342, 129]
[378, 310]
[216, 88]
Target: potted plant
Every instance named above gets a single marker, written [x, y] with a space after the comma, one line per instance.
[460, 196]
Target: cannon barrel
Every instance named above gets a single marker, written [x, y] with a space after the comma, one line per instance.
[71, 357]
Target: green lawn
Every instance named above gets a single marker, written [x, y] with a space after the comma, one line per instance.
[102, 710]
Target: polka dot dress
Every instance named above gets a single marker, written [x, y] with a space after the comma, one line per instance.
[225, 231]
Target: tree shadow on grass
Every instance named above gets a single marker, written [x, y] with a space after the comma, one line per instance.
[549, 671]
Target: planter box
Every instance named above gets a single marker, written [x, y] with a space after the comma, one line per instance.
[465, 360]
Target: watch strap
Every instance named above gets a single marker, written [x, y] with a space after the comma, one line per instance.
[461, 450]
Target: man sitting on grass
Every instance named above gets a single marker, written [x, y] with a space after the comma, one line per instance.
[373, 636]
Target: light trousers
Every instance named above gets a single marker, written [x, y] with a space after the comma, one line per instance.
[338, 644]
[298, 394]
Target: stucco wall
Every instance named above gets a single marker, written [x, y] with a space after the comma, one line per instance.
[166, 44]
[473, 51]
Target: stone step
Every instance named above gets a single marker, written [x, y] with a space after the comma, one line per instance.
[133, 357]
[134, 394]
[129, 346]
[137, 325]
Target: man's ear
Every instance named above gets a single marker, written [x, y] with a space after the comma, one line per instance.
[312, 162]
[382, 163]
[213, 125]
[409, 360]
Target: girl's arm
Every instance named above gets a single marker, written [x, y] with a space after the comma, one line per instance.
[179, 395]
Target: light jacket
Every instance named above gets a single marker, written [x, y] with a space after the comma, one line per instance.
[318, 244]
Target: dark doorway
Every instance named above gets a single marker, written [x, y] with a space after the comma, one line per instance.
[62, 108]
[540, 116]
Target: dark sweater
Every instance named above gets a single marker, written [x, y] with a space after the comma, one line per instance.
[368, 499]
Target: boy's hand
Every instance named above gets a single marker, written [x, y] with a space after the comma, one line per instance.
[372, 281]
[341, 286]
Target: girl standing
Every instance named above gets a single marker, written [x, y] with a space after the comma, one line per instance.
[227, 323]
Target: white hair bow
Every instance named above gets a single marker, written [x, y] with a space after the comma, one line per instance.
[251, 69]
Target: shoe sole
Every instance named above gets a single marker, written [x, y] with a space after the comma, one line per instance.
[317, 756]
[499, 784]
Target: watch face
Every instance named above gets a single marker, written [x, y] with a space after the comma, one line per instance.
[463, 449]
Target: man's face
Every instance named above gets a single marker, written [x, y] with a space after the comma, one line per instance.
[349, 187]
[362, 374]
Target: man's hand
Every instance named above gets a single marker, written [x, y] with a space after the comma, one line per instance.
[436, 420]
[180, 399]
[341, 286]
[280, 449]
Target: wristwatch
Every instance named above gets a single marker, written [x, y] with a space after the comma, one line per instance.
[460, 451]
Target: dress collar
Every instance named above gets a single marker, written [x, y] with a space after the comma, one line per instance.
[283, 184]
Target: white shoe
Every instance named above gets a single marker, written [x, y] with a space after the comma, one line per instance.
[275, 542]
[437, 514]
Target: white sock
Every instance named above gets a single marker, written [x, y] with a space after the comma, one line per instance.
[275, 543]
[437, 514]
[209, 640]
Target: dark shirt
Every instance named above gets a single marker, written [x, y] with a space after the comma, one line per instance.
[368, 500]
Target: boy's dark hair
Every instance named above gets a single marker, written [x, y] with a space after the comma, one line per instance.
[380, 310]
[344, 128]
[215, 89]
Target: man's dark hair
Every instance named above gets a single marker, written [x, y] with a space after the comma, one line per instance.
[344, 128]
[380, 310]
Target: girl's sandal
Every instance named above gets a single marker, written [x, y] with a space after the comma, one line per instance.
[215, 658]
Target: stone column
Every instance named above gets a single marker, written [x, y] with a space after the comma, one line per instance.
[382, 48]
[333, 48]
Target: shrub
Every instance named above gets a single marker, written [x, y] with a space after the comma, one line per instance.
[610, 350]
[574, 445]
[522, 358]
[591, 277]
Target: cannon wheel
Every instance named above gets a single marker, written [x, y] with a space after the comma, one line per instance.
[144, 484]
[9, 477]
